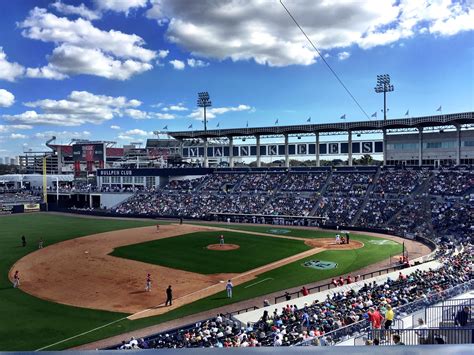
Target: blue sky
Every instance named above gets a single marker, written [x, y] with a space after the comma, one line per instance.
[118, 70]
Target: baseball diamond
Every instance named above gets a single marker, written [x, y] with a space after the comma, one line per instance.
[274, 174]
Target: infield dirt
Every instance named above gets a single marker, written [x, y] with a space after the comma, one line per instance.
[80, 272]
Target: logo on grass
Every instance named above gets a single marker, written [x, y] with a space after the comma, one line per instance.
[382, 242]
[320, 264]
[279, 231]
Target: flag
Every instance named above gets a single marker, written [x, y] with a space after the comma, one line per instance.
[407, 113]
[218, 124]
[190, 126]
[276, 122]
[343, 117]
[309, 119]
[374, 114]
[165, 127]
[247, 124]
[439, 108]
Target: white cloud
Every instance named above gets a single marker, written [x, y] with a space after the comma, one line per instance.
[138, 132]
[343, 55]
[164, 116]
[197, 63]
[6, 98]
[120, 5]
[177, 64]
[9, 128]
[81, 10]
[9, 71]
[262, 31]
[137, 114]
[18, 136]
[78, 108]
[82, 48]
[63, 135]
[162, 53]
[178, 107]
[115, 127]
[216, 111]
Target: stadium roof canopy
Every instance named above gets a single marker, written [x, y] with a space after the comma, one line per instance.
[399, 123]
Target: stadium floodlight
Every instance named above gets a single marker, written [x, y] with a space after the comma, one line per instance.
[383, 85]
[204, 101]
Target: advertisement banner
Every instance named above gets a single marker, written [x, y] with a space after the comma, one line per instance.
[31, 207]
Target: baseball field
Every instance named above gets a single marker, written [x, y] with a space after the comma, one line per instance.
[88, 282]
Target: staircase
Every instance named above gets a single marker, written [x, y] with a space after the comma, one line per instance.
[368, 194]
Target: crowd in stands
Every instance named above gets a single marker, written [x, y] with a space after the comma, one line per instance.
[291, 204]
[377, 212]
[405, 202]
[261, 182]
[220, 182]
[402, 181]
[349, 184]
[339, 210]
[318, 322]
[452, 182]
[454, 219]
[304, 182]
[19, 196]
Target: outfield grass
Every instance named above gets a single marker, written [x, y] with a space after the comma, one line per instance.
[188, 252]
[28, 323]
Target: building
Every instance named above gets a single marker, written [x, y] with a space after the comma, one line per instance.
[431, 140]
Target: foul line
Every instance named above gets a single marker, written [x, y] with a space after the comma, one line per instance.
[256, 283]
[89, 331]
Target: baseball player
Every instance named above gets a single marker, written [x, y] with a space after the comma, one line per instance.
[148, 283]
[16, 279]
[157, 228]
[40, 243]
[338, 239]
[221, 240]
[229, 287]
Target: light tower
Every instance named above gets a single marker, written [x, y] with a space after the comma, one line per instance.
[383, 85]
[204, 101]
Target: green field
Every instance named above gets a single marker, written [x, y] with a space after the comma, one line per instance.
[29, 323]
[188, 252]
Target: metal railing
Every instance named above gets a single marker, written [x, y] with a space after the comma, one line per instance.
[359, 329]
[419, 336]
[331, 285]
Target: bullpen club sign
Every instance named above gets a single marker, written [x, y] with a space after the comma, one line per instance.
[320, 264]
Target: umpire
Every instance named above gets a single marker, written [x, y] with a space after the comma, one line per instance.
[169, 296]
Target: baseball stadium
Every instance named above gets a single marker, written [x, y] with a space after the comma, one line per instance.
[291, 237]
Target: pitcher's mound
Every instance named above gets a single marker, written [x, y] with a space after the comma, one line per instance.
[223, 247]
[329, 243]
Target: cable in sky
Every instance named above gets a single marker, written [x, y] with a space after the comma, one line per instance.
[324, 60]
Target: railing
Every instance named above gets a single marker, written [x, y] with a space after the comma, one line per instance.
[328, 285]
[356, 329]
[419, 336]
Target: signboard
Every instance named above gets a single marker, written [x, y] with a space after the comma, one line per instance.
[88, 152]
[299, 149]
[31, 207]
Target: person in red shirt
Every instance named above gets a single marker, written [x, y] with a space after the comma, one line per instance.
[349, 279]
[304, 291]
[375, 318]
[334, 282]
[341, 281]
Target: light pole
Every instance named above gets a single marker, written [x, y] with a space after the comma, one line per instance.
[383, 85]
[204, 101]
